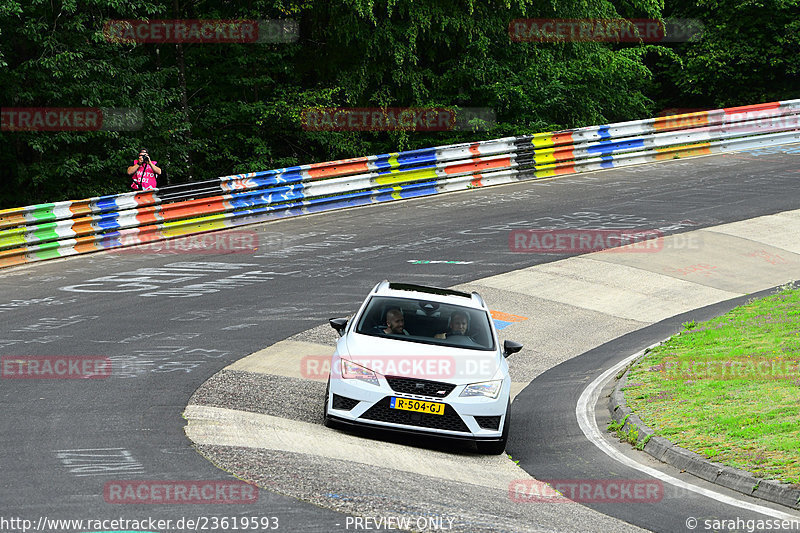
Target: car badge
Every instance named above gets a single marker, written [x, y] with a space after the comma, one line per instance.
[441, 392]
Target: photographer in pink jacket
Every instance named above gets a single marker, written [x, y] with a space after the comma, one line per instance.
[144, 172]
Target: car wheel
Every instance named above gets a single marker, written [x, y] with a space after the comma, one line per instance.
[498, 447]
[326, 420]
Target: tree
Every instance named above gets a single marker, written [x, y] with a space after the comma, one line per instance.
[749, 52]
[216, 109]
[56, 55]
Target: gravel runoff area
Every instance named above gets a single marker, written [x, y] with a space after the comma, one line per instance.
[339, 485]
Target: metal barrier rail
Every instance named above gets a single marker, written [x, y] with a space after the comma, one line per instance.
[61, 229]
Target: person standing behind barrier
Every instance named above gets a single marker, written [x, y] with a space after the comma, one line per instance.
[144, 172]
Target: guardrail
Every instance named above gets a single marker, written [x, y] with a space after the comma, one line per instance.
[61, 229]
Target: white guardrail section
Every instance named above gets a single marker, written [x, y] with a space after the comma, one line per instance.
[61, 229]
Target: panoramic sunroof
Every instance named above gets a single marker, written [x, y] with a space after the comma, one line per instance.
[429, 290]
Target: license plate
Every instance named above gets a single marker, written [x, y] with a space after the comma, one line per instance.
[432, 408]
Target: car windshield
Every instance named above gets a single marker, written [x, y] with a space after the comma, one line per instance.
[427, 322]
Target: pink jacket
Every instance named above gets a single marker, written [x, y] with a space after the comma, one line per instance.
[144, 178]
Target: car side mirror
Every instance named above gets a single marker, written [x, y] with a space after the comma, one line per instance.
[510, 347]
[339, 324]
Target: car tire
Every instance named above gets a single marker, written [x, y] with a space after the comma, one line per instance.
[326, 420]
[497, 447]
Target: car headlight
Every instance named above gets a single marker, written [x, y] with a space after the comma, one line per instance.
[490, 389]
[350, 370]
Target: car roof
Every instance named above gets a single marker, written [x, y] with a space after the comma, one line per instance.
[436, 294]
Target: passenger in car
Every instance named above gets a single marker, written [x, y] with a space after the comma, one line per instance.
[395, 322]
[458, 325]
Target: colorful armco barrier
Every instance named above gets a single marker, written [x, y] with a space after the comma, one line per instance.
[62, 229]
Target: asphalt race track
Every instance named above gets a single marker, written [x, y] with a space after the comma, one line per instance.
[169, 322]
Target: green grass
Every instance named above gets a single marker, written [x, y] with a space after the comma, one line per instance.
[729, 388]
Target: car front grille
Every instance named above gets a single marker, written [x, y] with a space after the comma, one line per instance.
[343, 403]
[488, 422]
[449, 421]
[421, 387]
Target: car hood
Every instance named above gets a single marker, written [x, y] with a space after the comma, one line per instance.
[397, 357]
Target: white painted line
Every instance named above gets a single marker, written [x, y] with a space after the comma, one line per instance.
[89, 450]
[585, 413]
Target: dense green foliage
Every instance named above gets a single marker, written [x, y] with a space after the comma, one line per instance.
[749, 53]
[216, 109]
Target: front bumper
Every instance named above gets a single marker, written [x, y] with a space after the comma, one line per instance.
[463, 417]
[407, 430]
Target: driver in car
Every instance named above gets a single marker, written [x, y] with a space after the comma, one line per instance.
[395, 322]
[458, 326]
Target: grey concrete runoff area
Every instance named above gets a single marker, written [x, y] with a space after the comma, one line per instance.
[216, 338]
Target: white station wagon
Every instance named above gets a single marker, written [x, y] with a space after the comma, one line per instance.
[423, 360]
